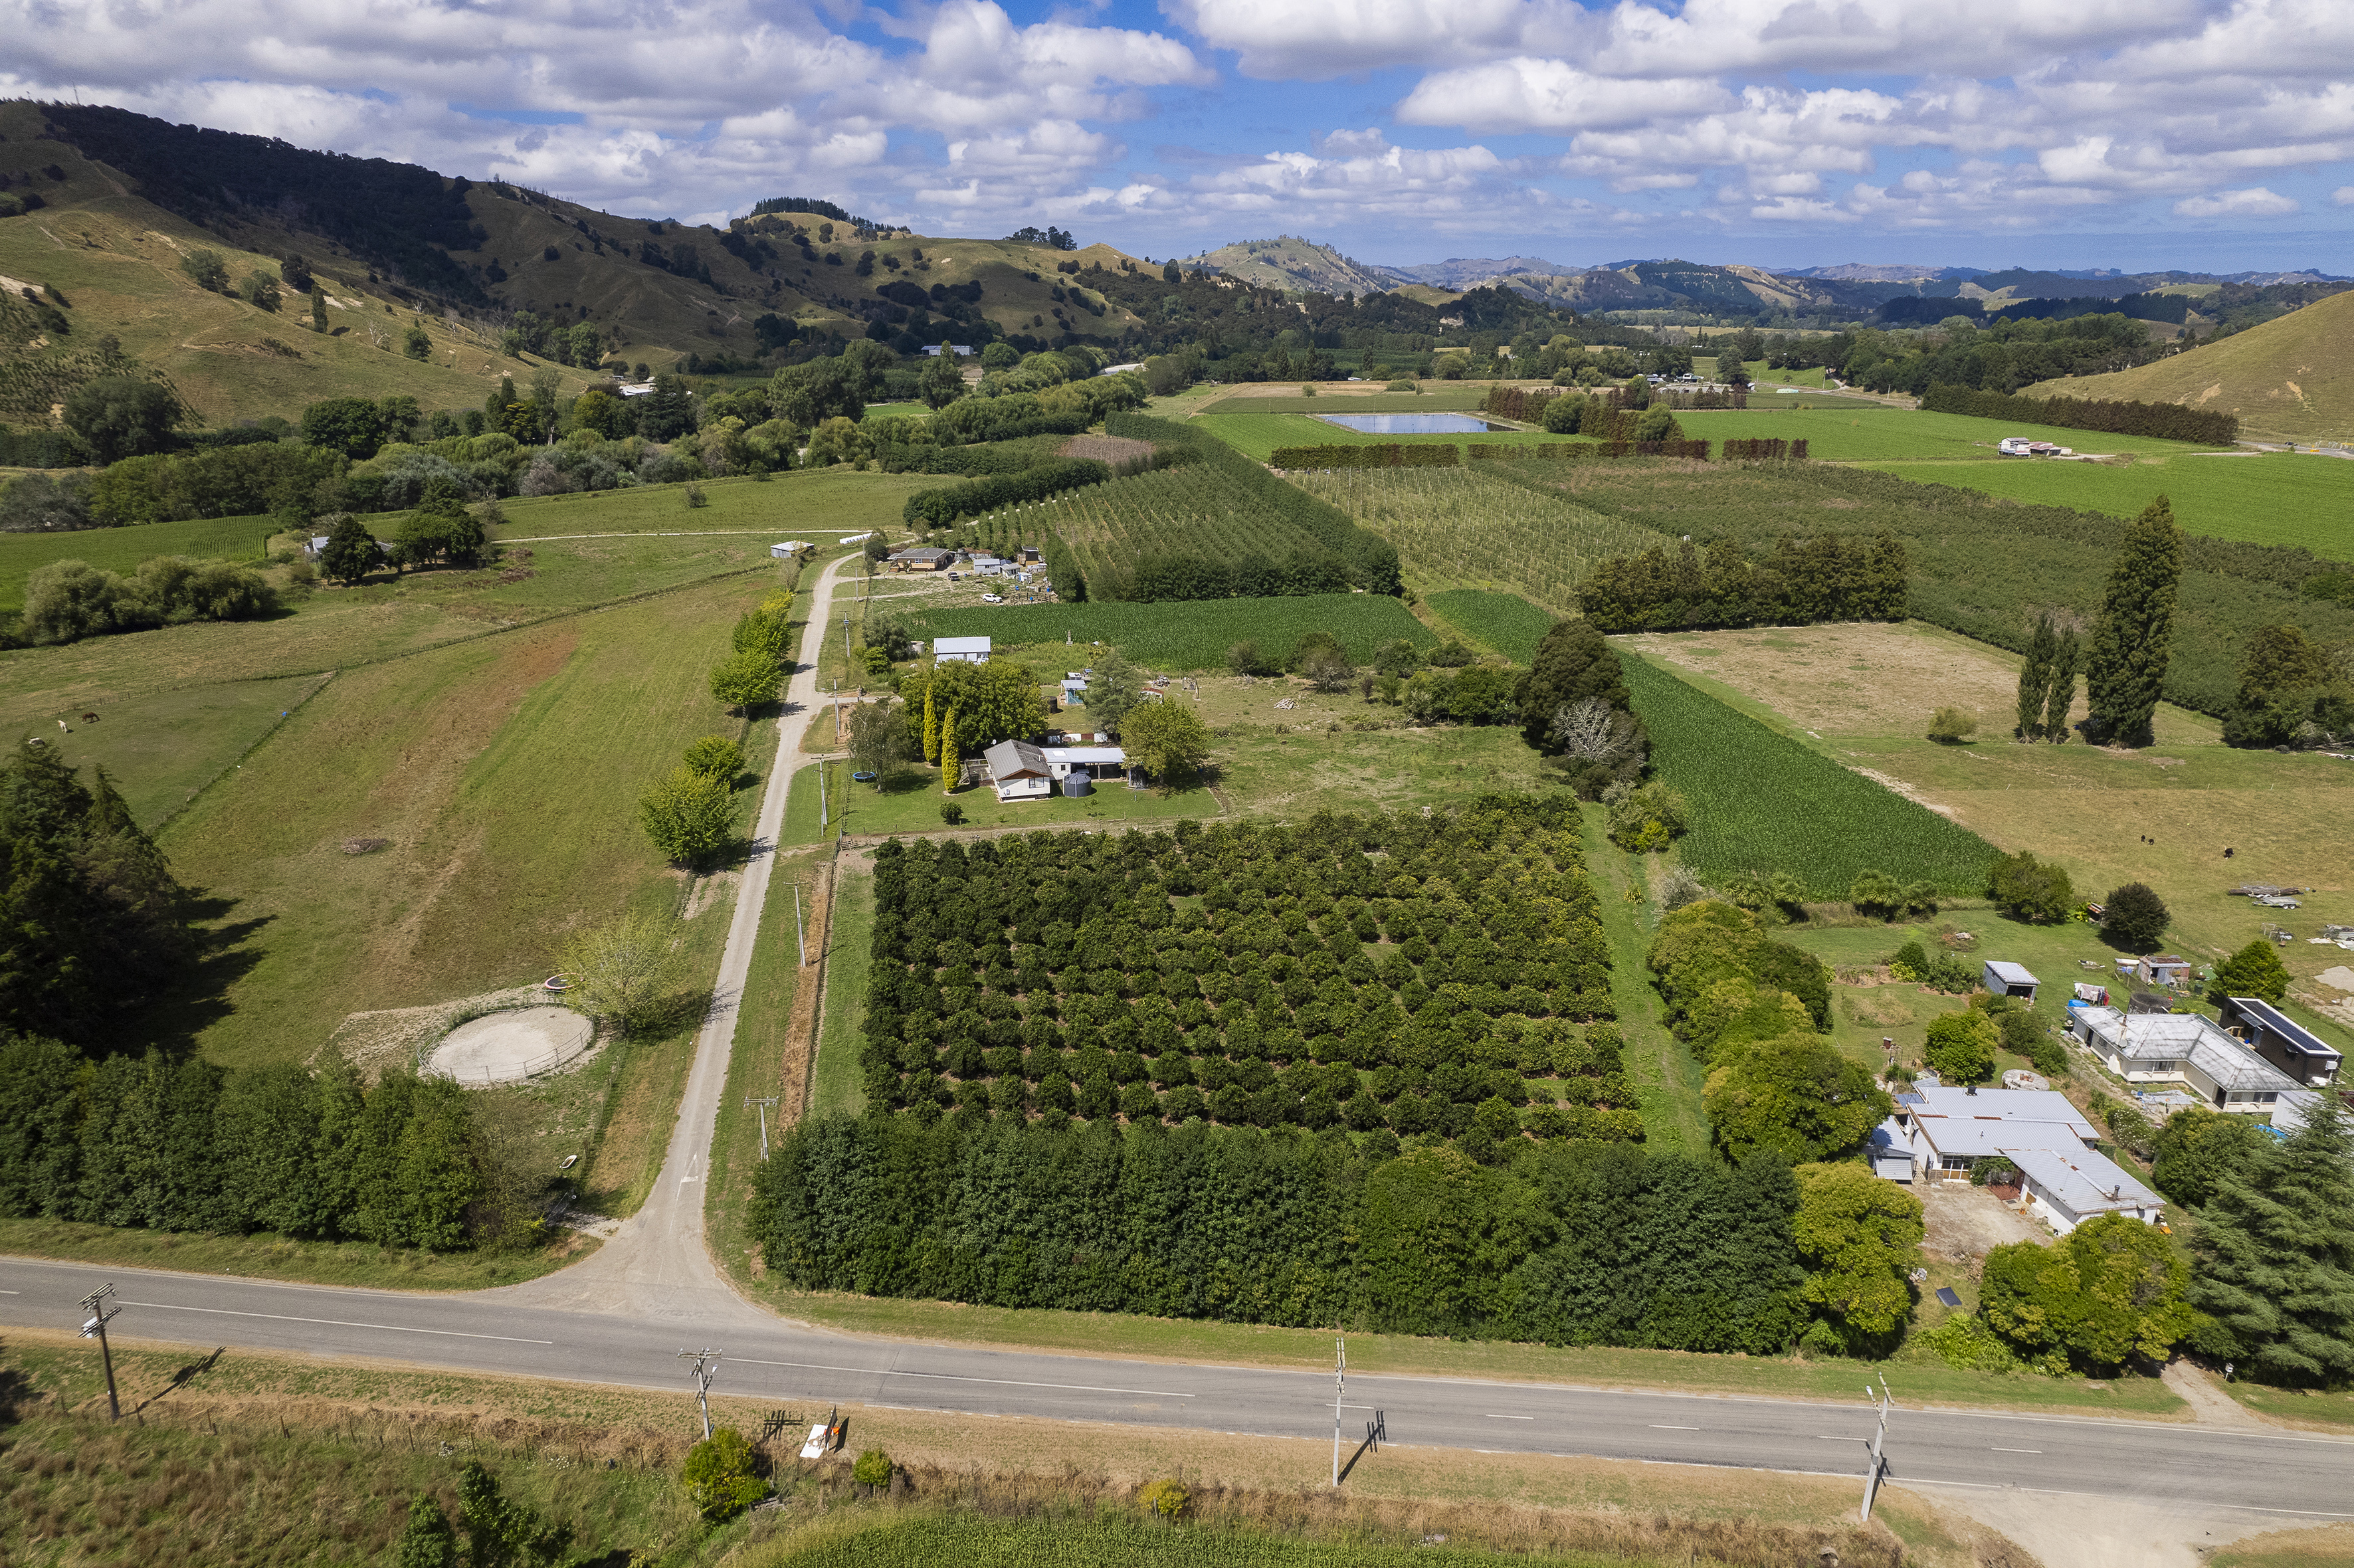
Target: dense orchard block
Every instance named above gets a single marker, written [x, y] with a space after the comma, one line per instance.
[1441, 975]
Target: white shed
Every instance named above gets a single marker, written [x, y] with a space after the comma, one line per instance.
[961, 649]
[2008, 980]
[791, 550]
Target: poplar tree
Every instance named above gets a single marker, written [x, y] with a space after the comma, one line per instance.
[949, 769]
[2125, 670]
[2034, 678]
[2061, 687]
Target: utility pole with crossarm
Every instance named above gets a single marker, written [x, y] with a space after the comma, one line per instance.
[707, 1367]
[95, 1304]
[763, 1106]
[1879, 1441]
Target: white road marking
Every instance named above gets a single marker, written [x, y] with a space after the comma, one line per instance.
[1657, 1427]
[1827, 1437]
[2018, 1450]
[954, 1377]
[336, 1323]
[1493, 1416]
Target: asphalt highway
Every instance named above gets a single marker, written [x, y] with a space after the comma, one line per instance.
[2174, 1466]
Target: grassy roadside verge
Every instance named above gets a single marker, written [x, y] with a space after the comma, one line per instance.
[761, 1065]
[353, 1442]
[267, 1257]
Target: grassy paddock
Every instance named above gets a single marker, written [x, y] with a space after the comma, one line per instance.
[1258, 434]
[1842, 431]
[1666, 1075]
[505, 772]
[2272, 498]
[2162, 814]
[834, 1086]
[1190, 635]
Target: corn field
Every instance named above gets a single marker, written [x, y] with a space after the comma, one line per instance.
[1461, 527]
[1763, 802]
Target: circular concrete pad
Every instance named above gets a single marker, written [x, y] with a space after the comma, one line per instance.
[504, 1047]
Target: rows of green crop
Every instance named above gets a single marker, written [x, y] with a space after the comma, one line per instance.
[1467, 526]
[1761, 802]
[1190, 635]
[1503, 622]
[1194, 509]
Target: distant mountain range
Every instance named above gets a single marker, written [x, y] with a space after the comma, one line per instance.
[1850, 291]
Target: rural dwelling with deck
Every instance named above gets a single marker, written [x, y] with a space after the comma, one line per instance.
[922, 558]
[2063, 1179]
[1020, 770]
[2185, 1048]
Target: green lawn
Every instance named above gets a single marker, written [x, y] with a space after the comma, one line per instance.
[916, 809]
[2272, 498]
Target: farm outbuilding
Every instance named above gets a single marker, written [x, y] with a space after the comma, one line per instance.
[791, 550]
[2008, 980]
[2163, 968]
[961, 649]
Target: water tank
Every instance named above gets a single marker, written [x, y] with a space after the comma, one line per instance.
[1075, 784]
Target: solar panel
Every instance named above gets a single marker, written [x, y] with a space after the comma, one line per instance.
[1946, 1294]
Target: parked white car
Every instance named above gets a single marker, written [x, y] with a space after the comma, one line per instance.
[992, 599]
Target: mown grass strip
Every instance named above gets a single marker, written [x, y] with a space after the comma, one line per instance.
[1191, 634]
[1762, 801]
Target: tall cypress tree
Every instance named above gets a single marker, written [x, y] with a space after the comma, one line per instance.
[2060, 691]
[2034, 677]
[2126, 668]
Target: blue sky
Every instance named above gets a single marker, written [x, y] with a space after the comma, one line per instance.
[2135, 134]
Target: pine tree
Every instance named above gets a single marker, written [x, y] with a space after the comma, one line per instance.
[2124, 671]
[2276, 1255]
[931, 728]
[2033, 677]
[2060, 693]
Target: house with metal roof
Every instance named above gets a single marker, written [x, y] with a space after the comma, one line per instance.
[1947, 1131]
[2281, 1041]
[2185, 1048]
[2065, 1188]
[961, 649]
[1022, 771]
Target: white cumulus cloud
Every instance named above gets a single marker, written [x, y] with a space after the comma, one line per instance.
[2253, 202]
